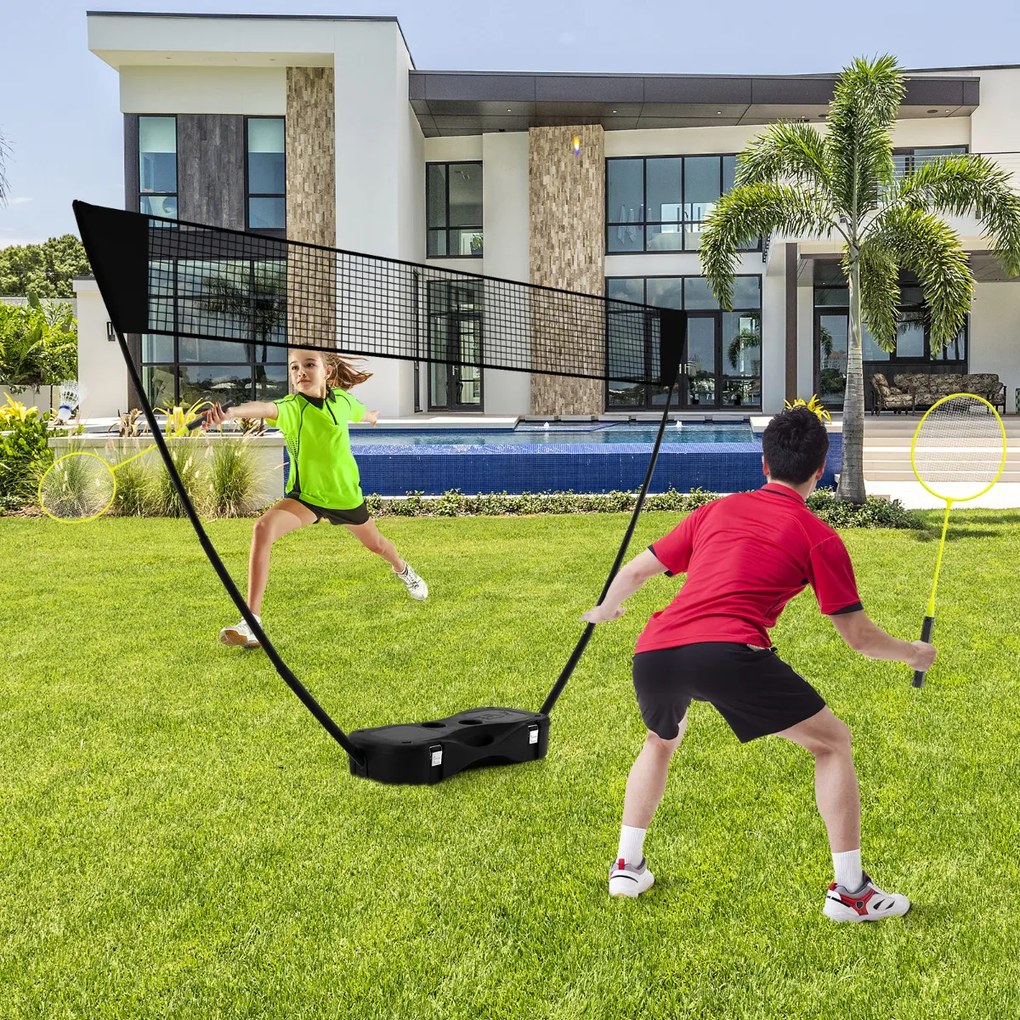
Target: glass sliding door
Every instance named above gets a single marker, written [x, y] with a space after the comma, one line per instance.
[455, 346]
[832, 329]
[701, 370]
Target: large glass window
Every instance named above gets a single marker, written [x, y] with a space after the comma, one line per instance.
[157, 166]
[267, 175]
[723, 366]
[913, 342]
[242, 298]
[453, 209]
[660, 203]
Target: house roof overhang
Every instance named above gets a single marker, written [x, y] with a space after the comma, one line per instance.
[478, 102]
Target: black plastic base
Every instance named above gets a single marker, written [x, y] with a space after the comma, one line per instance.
[428, 752]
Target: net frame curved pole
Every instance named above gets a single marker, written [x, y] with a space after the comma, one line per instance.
[582, 643]
[284, 671]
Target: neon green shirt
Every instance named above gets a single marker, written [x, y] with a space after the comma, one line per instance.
[322, 468]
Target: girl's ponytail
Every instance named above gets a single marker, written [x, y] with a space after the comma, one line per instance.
[341, 372]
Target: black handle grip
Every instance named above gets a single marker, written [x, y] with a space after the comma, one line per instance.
[192, 425]
[926, 627]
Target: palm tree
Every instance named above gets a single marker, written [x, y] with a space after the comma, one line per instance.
[794, 180]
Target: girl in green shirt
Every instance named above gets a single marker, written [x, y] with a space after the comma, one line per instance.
[323, 482]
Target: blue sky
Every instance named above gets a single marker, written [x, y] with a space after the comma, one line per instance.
[59, 103]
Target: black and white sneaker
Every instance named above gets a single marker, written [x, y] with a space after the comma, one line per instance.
[629, 880]
[869, 903]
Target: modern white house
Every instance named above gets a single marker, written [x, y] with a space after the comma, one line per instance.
[323, 130]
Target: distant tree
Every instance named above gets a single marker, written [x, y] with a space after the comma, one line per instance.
[45, 270]
[38, 345]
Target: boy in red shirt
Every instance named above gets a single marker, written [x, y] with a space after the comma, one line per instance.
[745, 557]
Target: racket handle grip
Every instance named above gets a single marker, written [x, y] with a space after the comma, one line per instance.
[192, 425]
[926, 628]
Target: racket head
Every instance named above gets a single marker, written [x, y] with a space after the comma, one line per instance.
[959, 448]
[77, 487]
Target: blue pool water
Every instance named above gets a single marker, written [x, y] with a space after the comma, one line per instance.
[586, 457]
[532, 434]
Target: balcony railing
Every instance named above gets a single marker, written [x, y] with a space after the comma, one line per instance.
[907, 164]
[1008, 161]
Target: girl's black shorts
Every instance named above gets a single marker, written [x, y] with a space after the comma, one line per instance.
[752, 688]
[356, 515]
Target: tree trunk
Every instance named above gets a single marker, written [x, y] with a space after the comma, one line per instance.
[851, 479]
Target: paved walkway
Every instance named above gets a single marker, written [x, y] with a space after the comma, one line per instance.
[1005, 495]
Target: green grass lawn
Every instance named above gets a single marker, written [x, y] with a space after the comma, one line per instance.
[180, 838]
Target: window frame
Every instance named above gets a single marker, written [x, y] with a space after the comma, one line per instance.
[175, 195]
[892, 362]
[249, 194]
[446, 228]
[653, 393]
[685, 225]
[173, 295]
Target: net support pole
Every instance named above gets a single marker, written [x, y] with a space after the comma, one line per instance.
[267, 646]
[672, 344]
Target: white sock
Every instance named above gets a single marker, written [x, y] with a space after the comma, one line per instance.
[632, 842]
[848, 869]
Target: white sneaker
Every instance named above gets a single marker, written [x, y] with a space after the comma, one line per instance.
[868, 903]
[240, 634]
[629, 880]
[416, 587]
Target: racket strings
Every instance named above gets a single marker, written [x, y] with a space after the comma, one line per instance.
[959, 448]
[77, 487]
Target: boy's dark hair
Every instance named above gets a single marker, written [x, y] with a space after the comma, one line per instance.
[794, 444]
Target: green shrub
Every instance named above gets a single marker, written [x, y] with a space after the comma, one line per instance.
[24, 453]
[456, 504]
[874, 513]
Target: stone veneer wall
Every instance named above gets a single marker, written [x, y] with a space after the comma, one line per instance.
[311, 202]
[567, 247]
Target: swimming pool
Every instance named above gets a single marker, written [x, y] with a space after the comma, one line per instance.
[588, 457]
[532, 434]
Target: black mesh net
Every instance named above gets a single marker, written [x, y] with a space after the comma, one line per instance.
[212, 284]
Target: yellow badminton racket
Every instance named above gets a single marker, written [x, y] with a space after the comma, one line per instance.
[81, 486]
[958, 454]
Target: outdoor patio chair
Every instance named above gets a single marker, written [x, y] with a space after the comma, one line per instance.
[888, 397]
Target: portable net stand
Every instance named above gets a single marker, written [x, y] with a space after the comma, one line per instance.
[187, 280]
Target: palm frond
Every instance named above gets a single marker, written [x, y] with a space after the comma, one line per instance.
[858, 147]
[880, 291]
[921, 242]
[969, 183]
[784, 151]
[750, 212]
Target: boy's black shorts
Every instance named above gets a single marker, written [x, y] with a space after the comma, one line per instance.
[752, 688]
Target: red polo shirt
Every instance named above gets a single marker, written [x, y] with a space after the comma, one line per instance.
[745, 557]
